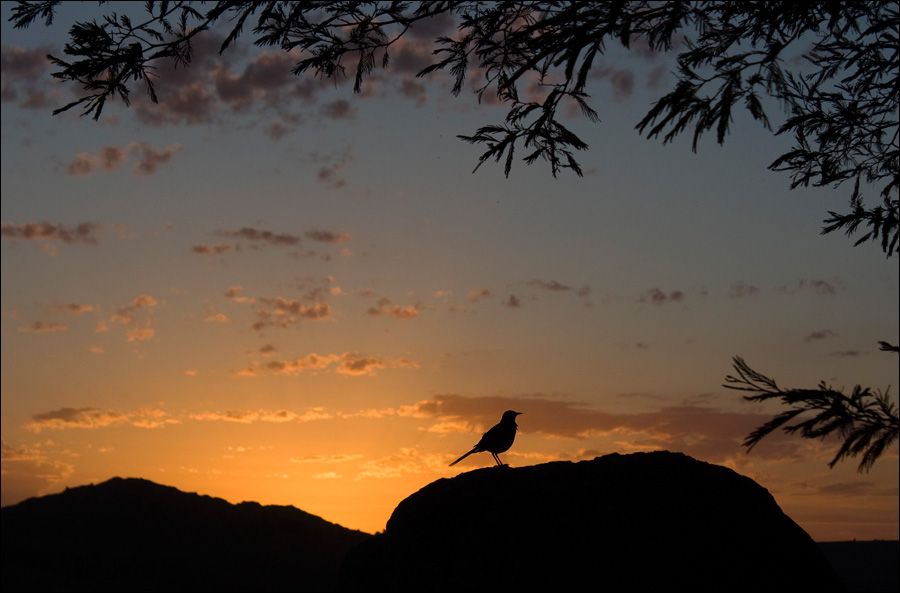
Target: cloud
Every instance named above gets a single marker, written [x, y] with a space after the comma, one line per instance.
[93, 418]
[846, 354]
[822, 334]
[338, 109]
[512, 301]
[387, 308]
[326, 459]
[43, 327]
[322, 236]
[152, 158]
[331, 167]
[706, 432]
[741, 289]
[414, 90]
[262, 415]
[24, 63]
[477, 294]
[30, 469]
[620, 80]
[203, 249]
[188, 104]
[125, 314]
[23, 78]
[216, 317]
[551, 285]
[261, 237]
[408, 460]
[108, 159]
[234, 294]
[818, 287]
[284, 312]
[74, 308]
[84, 233]
[656, 296]
[148, 159]
[347, 363]
[357, 365]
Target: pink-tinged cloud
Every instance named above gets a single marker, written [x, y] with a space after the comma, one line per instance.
[331, 167]
[261, 237]
[75, 308]
[216, 317]
[84, 233]
[705, 432]
[817, 287]
[262, 415]
[477, 294]
[322, 236]
[218, 249]
[512, 302]
[234, 294]
[338, 109]
[347, 363]
[140, 334]
[819, 335]
[551, 285]
[740, 290]
[93, 418]
[148, 159]
[43, 327]
[357, 365]
[655, 296]
[387, 308]
[125, 314]
[284, 312]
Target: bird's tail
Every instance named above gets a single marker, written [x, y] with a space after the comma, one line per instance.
[474, 450]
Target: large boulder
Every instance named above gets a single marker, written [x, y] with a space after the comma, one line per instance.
[643, 522]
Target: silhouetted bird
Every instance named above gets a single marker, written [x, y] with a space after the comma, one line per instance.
[498, 439]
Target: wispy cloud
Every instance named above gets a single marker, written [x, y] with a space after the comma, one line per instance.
[324, 236]
[217, 249]
[257, 236]
[655, 296]
[147, 158]
[741, 289]
[512, 301]
[262, 415]
[43, 327]
[551, 285]
[84, 233]
[74, 308]
[816, 286]
[93, 418]
[819, 335]
[348, 363]
[478, 294]
[285, 312]
[387, 308]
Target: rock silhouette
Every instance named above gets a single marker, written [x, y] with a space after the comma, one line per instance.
[642, 522]
[135, 535]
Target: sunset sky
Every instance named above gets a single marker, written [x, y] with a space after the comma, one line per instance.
[268, 288]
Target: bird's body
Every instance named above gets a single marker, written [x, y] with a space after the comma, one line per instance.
[498, 439]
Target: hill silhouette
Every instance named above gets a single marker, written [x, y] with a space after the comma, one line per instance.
[135, 535]
[642, 522]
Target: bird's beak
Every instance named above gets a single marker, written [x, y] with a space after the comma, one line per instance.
[518, 413]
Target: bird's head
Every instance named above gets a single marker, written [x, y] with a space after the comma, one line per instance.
[510, 416]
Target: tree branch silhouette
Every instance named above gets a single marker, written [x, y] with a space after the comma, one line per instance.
[840, 102]
[865, 420]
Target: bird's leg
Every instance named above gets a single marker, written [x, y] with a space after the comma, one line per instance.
[496, 458]
[500, 461]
